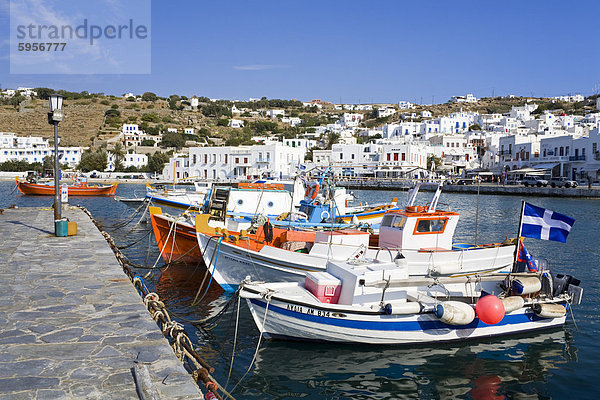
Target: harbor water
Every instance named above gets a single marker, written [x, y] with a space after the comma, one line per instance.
[558, 364]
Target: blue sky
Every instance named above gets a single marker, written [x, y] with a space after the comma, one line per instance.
[354, 51]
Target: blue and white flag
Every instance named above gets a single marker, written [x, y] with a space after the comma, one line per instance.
[541, 223]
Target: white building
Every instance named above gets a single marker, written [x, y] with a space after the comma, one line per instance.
[194, 101]
[34, 149]
[245, 162]
[177, 168]
[275, 113]
[469, 98]
[570, 99]
[349, 120]
[405, 105]
[236, 123]
[132, 135]
[129, 160]
[293, 121]
[383, 112]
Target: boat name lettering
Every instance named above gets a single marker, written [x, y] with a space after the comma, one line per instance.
[308, 311]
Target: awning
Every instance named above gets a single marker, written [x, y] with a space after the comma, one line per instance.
[591, 168]
[546, 166]
[523, 171]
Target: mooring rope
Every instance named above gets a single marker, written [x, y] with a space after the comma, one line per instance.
[180, 342]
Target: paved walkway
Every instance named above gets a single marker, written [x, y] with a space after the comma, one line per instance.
[71, 324]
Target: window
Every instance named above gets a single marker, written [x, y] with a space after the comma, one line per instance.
[583, 152]
[395, 156]
[387, 220]
[225, 158]
[403, 156]
[194, 159]
[341, 156]
[562, 151]
[206, 159]
[567, 151]
[245, 160]
[237, 160]
[389, 157]
[399, 223]
[436, 225]
[353, 156]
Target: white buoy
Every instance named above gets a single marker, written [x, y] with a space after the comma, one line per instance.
[512, 303]
[455, 313]
[549, 310]
[526, 285]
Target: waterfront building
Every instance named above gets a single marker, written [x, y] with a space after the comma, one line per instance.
[33, 149]
[129, 160]
[245, 162]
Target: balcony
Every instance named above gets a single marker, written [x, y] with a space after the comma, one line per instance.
[504, 153]
[577, 158]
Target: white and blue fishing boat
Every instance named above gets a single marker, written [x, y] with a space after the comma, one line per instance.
[363, 300]
[379, 303]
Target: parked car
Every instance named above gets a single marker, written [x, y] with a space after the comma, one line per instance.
[530, 180]
[562, 181]
[465, 181]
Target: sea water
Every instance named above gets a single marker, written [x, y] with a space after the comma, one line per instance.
[561, 363]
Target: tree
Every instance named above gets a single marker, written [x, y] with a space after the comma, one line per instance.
[157, 161]
[331, 139]
[436, 161]
[172, 139]
[475, 127]
[119, 156]
[147, 142]
[93, 160]
[149, 96]
[44, 93]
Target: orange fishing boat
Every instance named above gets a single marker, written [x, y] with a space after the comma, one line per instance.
[80, 188]
[176, 242]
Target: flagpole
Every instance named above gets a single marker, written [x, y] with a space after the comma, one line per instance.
[518, 237]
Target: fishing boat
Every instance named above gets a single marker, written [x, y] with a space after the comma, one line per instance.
[179, 198]
[381, 303]
[79, 188]
[176, 237]
[423, 235]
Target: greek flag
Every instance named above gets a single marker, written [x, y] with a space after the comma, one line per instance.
[541, 223]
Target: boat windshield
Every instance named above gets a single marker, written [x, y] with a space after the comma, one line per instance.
[394, 221]
[431, 225]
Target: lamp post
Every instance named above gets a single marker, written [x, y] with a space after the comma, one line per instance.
[54, 117]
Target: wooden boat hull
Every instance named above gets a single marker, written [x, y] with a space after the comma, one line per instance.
[46, 190]
[177, 243]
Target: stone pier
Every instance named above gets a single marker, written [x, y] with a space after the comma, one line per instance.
[72, 326]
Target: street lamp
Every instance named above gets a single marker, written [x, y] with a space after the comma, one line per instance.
[54, 117]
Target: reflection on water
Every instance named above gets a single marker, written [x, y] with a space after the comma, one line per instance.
[531, 366]
[480, 370]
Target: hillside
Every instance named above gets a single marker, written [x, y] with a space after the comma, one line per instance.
[86, 122]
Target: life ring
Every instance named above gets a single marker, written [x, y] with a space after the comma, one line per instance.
[415, 209]
[312, 191]
[324, 215]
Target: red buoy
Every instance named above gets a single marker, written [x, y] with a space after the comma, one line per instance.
[489, 309]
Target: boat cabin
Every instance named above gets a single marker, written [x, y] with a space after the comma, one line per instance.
[416, 228]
